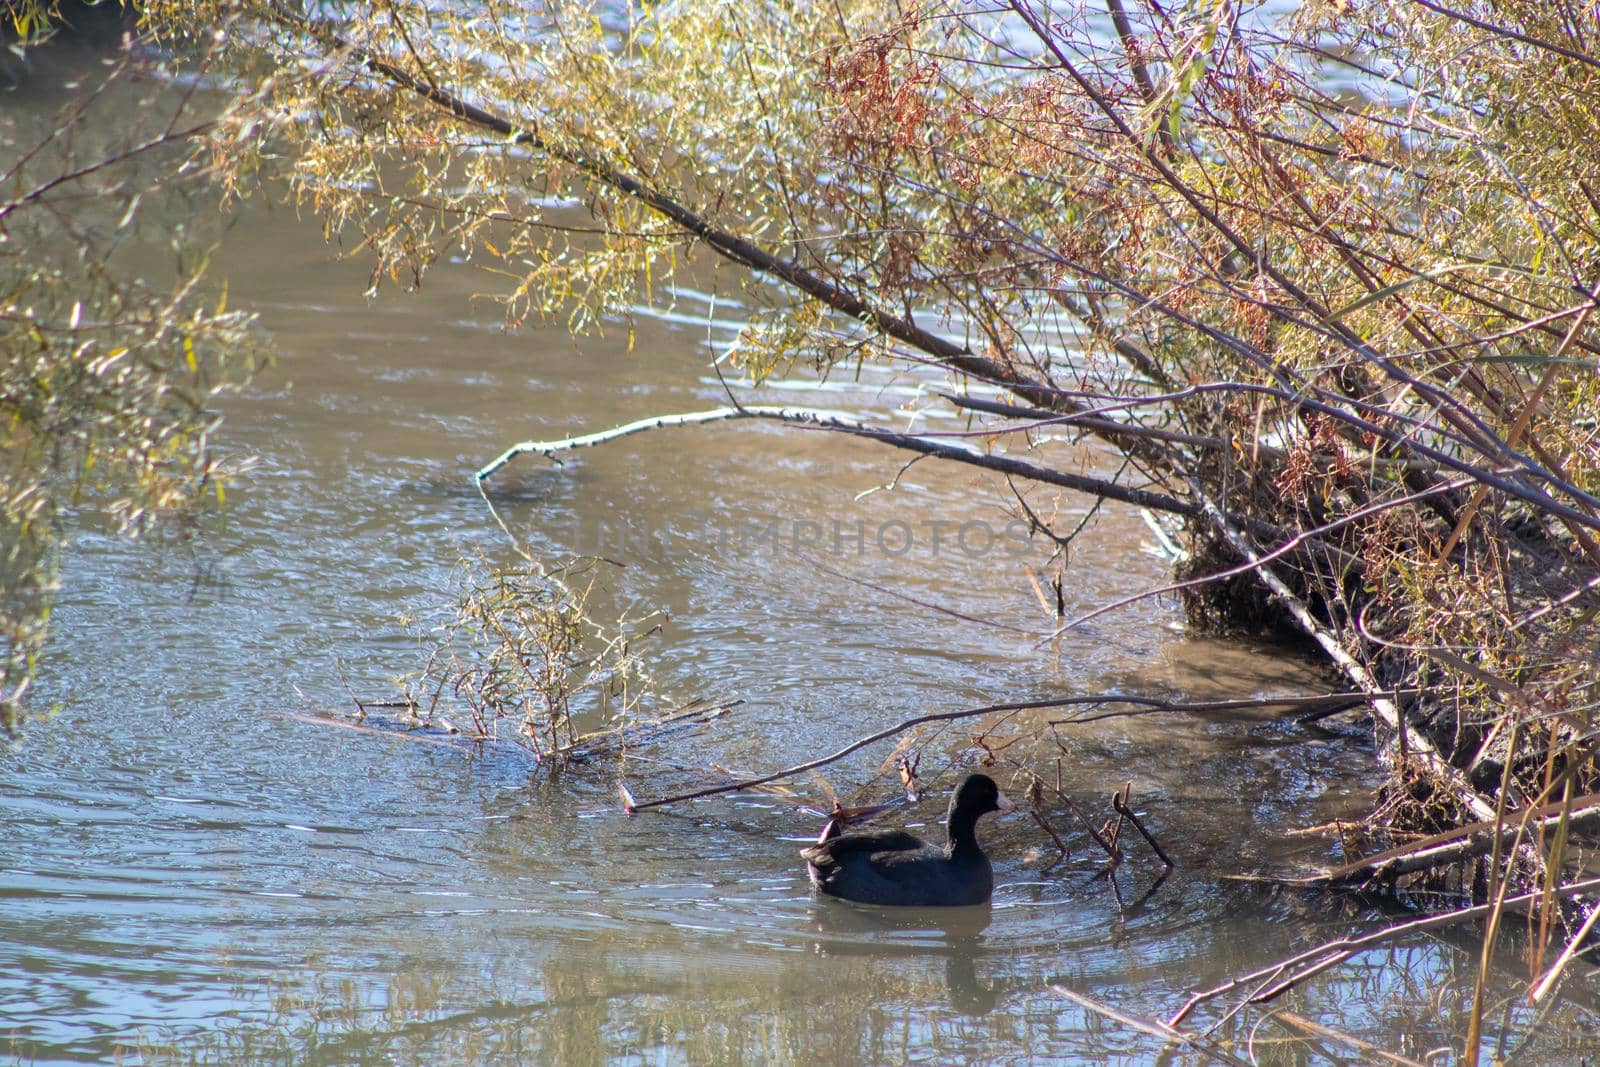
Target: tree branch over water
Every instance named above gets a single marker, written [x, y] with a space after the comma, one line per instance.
[1352, 325]
[837, 423]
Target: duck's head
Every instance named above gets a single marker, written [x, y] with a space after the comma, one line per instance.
[978, 795]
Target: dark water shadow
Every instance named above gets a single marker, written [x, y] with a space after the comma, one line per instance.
[846, 929]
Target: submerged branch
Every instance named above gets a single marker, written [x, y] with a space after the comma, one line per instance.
[1279, 977]
[1420, 747]
[1153, 1027]
[1148, 704]
[1460, 843]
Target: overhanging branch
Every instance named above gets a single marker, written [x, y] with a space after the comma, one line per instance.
[836, 423]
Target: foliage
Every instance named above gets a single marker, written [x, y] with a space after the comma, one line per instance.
[1348, 257]
[1326, 282]
[522, 654]
[105, 371]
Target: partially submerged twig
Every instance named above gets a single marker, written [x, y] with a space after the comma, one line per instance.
[952, 716]
[1119, 804]
[1457, 844]
[1277, 978]
[1153, 1027]
[1366, 1047]
[1108, 846]
[1036, 809]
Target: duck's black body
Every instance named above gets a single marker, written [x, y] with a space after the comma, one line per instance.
[894, 867]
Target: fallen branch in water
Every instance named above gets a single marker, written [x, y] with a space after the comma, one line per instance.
[1419, 747]
[1278, 978]
[1153, 1027]
[1458, 843]
[1300, 1022]
[1148, 704]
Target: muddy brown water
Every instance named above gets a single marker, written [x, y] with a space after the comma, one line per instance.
[188, 876]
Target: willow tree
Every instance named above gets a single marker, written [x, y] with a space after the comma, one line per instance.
[108, 361]
[1324, 284]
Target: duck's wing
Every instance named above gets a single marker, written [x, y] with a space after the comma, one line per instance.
[834, 849]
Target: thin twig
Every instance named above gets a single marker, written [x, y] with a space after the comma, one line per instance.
[1350, 946]
[1119, 804]
[1576, 944]
[837, 422]
[1153, 1027]
[1302, 1023]
[1108, 846]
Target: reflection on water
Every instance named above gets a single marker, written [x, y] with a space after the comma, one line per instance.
[952, 934]
[188, 877]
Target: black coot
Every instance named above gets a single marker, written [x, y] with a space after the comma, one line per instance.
[894, 867]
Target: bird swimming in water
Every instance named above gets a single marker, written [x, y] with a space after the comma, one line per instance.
[899, 868]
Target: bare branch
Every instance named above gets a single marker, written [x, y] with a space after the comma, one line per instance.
[1148, 703]
[1153, 1027]
[837, 423]
[1281, 976]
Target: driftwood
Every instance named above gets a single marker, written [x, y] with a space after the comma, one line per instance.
[1458, 843]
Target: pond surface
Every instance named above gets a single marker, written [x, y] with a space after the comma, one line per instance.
[188, 875]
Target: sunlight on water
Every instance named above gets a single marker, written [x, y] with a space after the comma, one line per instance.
[188, 876]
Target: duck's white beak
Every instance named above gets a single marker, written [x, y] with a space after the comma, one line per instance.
[1005, 805]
